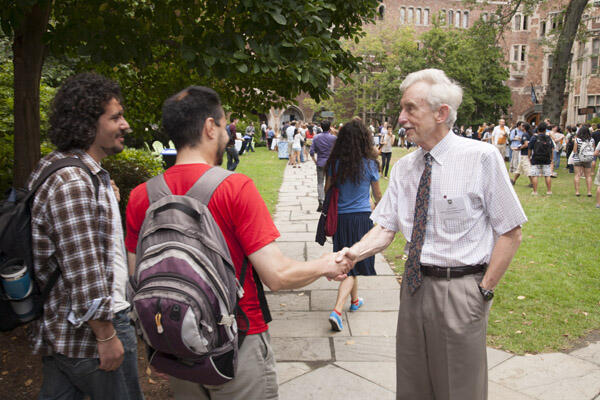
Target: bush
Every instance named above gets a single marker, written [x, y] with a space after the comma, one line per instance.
[130, 168]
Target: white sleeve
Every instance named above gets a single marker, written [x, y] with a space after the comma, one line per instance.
[386, 212]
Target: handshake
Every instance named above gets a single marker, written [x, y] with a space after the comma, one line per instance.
[337, 265]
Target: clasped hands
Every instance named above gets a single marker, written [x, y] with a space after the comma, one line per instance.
[339, 264]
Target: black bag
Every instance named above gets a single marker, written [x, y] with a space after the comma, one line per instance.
[542, 150]
[15, 241]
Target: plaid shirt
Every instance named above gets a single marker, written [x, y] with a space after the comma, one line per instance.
[72, 230]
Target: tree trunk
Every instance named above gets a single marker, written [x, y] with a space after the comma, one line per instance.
[28, 52]
[555, 95]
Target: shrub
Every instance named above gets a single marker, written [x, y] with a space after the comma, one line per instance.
[130, 168]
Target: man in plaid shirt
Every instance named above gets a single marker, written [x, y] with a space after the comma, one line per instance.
[85, 337]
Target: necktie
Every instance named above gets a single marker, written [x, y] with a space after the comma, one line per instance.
[414, 276]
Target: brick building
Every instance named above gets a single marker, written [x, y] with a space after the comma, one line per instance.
[527, 54]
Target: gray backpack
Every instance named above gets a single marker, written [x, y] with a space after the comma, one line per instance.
[185, 289]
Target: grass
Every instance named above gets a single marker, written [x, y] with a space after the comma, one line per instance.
[549, 297]
[266, 170]
[556, 270]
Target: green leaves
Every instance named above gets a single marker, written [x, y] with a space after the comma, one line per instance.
[280, 19]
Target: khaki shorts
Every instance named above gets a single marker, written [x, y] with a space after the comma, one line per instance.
[524, 166]
[540, 170]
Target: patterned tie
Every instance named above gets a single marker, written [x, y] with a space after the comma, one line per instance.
[414, 276]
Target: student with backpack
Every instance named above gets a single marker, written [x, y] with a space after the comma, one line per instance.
[89, 346]
[193, 233]
[583, 155]
[540, 157]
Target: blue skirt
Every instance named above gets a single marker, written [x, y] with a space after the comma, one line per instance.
[351, 228]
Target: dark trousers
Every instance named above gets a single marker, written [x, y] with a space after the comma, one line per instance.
[385, 163]
[246, 146]
[269, 143]
[232, 158]
[67, 378]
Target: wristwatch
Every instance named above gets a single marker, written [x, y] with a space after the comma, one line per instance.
[487, 294]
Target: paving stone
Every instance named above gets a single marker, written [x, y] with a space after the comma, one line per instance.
[293, 250]
[495, 357]
[380, 373]
[373, 323]
[366, 282]
[304, 216]
[331, 382]
[375, 300]
[287, 301]
[590, 353]
[295, 208]
[289, 227]
[383, 268]
[499, 392]
[296, 237]
[287, 371]
[315, 250]
[303, 324]
[372, 348]
[549, 376]
[301, 349]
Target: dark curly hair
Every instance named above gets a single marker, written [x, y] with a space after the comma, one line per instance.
[76, 108]
[354, 143]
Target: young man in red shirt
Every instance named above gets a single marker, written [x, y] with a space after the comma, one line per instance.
[195, 122]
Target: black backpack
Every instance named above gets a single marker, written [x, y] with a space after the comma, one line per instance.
[15, 241]
[542, 150]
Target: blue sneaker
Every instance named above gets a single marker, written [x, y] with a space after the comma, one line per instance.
[336, 322]
[355, 307]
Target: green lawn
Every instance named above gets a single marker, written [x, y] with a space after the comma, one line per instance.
[266, 170]
[556, 270]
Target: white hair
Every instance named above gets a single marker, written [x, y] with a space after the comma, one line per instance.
[442, 90]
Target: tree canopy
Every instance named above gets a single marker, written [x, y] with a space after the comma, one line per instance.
[255, 53]
[468, 56]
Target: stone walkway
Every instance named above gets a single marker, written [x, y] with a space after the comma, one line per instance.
[313, 362]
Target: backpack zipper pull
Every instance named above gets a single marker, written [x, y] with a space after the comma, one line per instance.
[157, 318]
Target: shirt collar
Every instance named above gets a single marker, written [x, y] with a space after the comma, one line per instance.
[440, 150]
[88, 161]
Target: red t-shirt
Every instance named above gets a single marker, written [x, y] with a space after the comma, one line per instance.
[239, 211]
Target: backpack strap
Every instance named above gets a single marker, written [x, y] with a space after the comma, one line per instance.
[59, 164]
[204, 187]
[45, 174]
[157, 188]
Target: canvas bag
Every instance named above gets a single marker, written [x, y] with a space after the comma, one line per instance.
[15, 241]
[185, 289]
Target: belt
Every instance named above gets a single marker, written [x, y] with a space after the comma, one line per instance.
[452, 272]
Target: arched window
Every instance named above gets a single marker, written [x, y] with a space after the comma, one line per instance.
[426, 16]
[457, 19]
[450, 19]
[402, 15]
[418, 20]
[410, 16]
[381, 11]
[465, 19]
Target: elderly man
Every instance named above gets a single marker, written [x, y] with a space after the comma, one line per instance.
[453, 201]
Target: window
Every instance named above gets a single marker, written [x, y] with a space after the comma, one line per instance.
[543, 29]
[457, 19]
[450, 17]
[402, 15]
[443, 17]
[594, 57]
[576, 100]
[549, 69]
[484, 17]
[410, 16]
[465, 19]
[418, 17]
[521, 23]
[381, 11]
[555, 20]
[426, 16]
[519, 53]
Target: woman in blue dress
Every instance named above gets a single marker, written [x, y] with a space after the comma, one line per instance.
[352, 166]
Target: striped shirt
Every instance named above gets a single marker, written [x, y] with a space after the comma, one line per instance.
[472, 201]
[71, 230]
